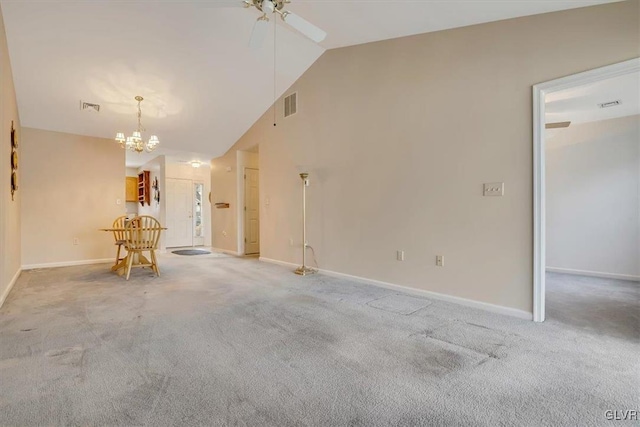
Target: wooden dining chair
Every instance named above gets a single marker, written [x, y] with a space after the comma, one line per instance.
[142, 235]
[119, 235]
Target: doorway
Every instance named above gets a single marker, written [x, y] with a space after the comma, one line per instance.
[540, 93]
[179, 213]
[251, 211]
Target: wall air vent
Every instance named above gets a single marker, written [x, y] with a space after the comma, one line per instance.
[87, 106]
[291, 104]
[610, 104]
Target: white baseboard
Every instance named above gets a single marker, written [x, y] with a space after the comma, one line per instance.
[593, 274]
[521, 314]
[67, 263]
[13, 281]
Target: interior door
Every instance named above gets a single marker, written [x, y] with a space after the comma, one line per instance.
[251, 212]
[179, 212]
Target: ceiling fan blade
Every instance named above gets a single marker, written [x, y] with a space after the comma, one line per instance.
[259, 33]
[224, 3]
[557, 125]
[304, 26]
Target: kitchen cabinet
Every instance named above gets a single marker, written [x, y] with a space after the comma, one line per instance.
[131, 193]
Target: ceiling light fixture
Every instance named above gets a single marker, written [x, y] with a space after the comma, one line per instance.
[135, 142]
[195, 164]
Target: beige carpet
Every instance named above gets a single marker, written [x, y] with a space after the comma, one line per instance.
[229, 341]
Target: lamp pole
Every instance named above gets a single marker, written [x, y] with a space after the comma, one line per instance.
[304, 270]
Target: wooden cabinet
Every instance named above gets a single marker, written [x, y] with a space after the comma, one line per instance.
[131, 194]
[144, 188]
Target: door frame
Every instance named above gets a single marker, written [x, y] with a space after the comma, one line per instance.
[243, 213]
[195, 182]
[540, 90]
[192, 204]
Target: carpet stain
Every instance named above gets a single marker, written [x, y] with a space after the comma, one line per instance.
[439, 358]
[399, 304]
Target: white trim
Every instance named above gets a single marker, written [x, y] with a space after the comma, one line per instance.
[539, 227]
[13, 281]
[66, 263]
[420, 292]
[593, 274]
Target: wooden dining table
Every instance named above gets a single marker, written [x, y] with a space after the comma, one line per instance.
[140, 259]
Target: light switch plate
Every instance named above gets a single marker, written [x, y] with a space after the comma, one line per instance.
[494, 189]
[400, 255]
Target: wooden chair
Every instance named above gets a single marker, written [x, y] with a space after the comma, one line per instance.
[119, 236]
[142, 235]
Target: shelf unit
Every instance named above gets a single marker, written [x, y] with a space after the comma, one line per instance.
[144, 188]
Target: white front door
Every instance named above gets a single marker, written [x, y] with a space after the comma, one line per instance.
[251, 212]
[179, 212]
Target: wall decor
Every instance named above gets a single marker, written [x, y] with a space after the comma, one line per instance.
[14, 161]
[156, 190]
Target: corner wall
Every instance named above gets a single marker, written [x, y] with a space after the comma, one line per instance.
[157, 169]
[399, 136]
[71, 185]
[132, 207]
[593, 198]
[10, 244]
[227, 186]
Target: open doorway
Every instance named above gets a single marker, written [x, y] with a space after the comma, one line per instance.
[586, 199]
[251, 211]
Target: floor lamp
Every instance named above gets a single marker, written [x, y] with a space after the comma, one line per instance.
[303, 270]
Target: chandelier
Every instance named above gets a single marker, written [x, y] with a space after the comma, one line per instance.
[135, 142]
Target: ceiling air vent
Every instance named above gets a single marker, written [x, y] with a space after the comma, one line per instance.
[610, 104]
[291, 104]
[87, 106]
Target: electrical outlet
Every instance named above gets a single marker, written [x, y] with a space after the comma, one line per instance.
[224, 233]
[493, 189]
[76, 241]
[118, 202]
[440, 260]
[400, 255]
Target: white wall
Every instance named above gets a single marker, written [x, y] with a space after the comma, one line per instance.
[593, 198]
[197, 175]
[156, 167]
[70, 188]
[10, 217]
[399, 137]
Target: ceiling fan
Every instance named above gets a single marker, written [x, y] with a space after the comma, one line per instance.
[267, 7]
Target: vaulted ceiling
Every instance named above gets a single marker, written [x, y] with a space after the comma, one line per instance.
[203, 86]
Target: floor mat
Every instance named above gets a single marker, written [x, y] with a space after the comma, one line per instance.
[190, 252]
